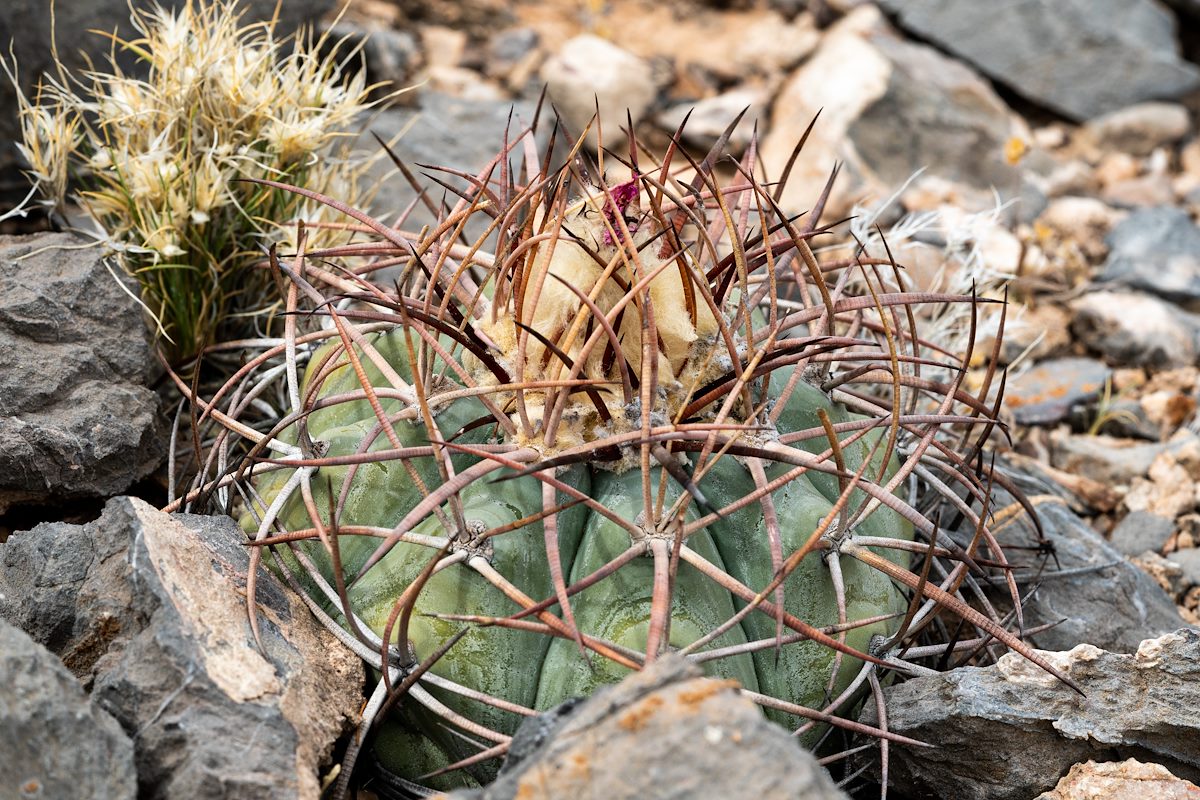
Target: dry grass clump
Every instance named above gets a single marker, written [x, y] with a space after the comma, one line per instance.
[158, 157]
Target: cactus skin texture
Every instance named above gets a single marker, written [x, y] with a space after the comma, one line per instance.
[537, 671]
[631, 416]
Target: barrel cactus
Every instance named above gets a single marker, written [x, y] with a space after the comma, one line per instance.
[623, 416]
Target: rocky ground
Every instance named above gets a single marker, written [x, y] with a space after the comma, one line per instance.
[1051, 152]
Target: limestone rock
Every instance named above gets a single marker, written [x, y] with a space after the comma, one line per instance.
[665, 732]
[1189, 564]
[1081, 58]
[77, 418]
[1009, 731]
[1132, 328]
[1140, 531]
[148, 610]
[1140, 129]
[1102, 599]
[590, 72]
[889, 108]
[1109, 459]
[54, 741]
[711, 116]
[1156, 250]
[1116, 781]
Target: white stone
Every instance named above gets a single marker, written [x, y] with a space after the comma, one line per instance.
[1079, 218]
[824, 84]
[590, 72]
[710, 117]
[1140, 128]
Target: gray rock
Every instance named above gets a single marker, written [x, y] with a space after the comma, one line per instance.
[77, 418]
[26, 24]
[1141, 128]
[1081, 58]
[591, 73]
[1156, 250]
[1045, 394]
[903, 108]
[1108, 459]
[1128, 778]
[665, 732]
[146, 609]
[508, 47]
[1140, 531]
[1010, 731]
[443, 131]
[54, 741]
[389, 55]
[1136, 329]
[1144, 191]
[1100, 599]
[1189, 563]
[952, 122]
[707, 119]
[1127, 418]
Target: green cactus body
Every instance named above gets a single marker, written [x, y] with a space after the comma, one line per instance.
[539, 671]
[632, 418]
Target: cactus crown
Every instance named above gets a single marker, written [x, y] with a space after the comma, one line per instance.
[671, 334]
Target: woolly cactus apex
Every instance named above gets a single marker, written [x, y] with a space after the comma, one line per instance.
[633, 416]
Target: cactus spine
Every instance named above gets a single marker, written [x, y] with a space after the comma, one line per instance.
[627, 416]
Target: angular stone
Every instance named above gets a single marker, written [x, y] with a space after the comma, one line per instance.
[77, 418]
[1189, 562]
[445, 131]
[1009, 731]
[1081, 58]
[1046, 393]
[54, 741]
[1156, 250]
[1136, 329]
[1109, 459]
[889, 108]
[1141, 128]
[1140, 531]
[591, 73]
[665, 732]
[1101, 599]
[1127, 779]
[1144, 191]
[707, 119]
[149, 610]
